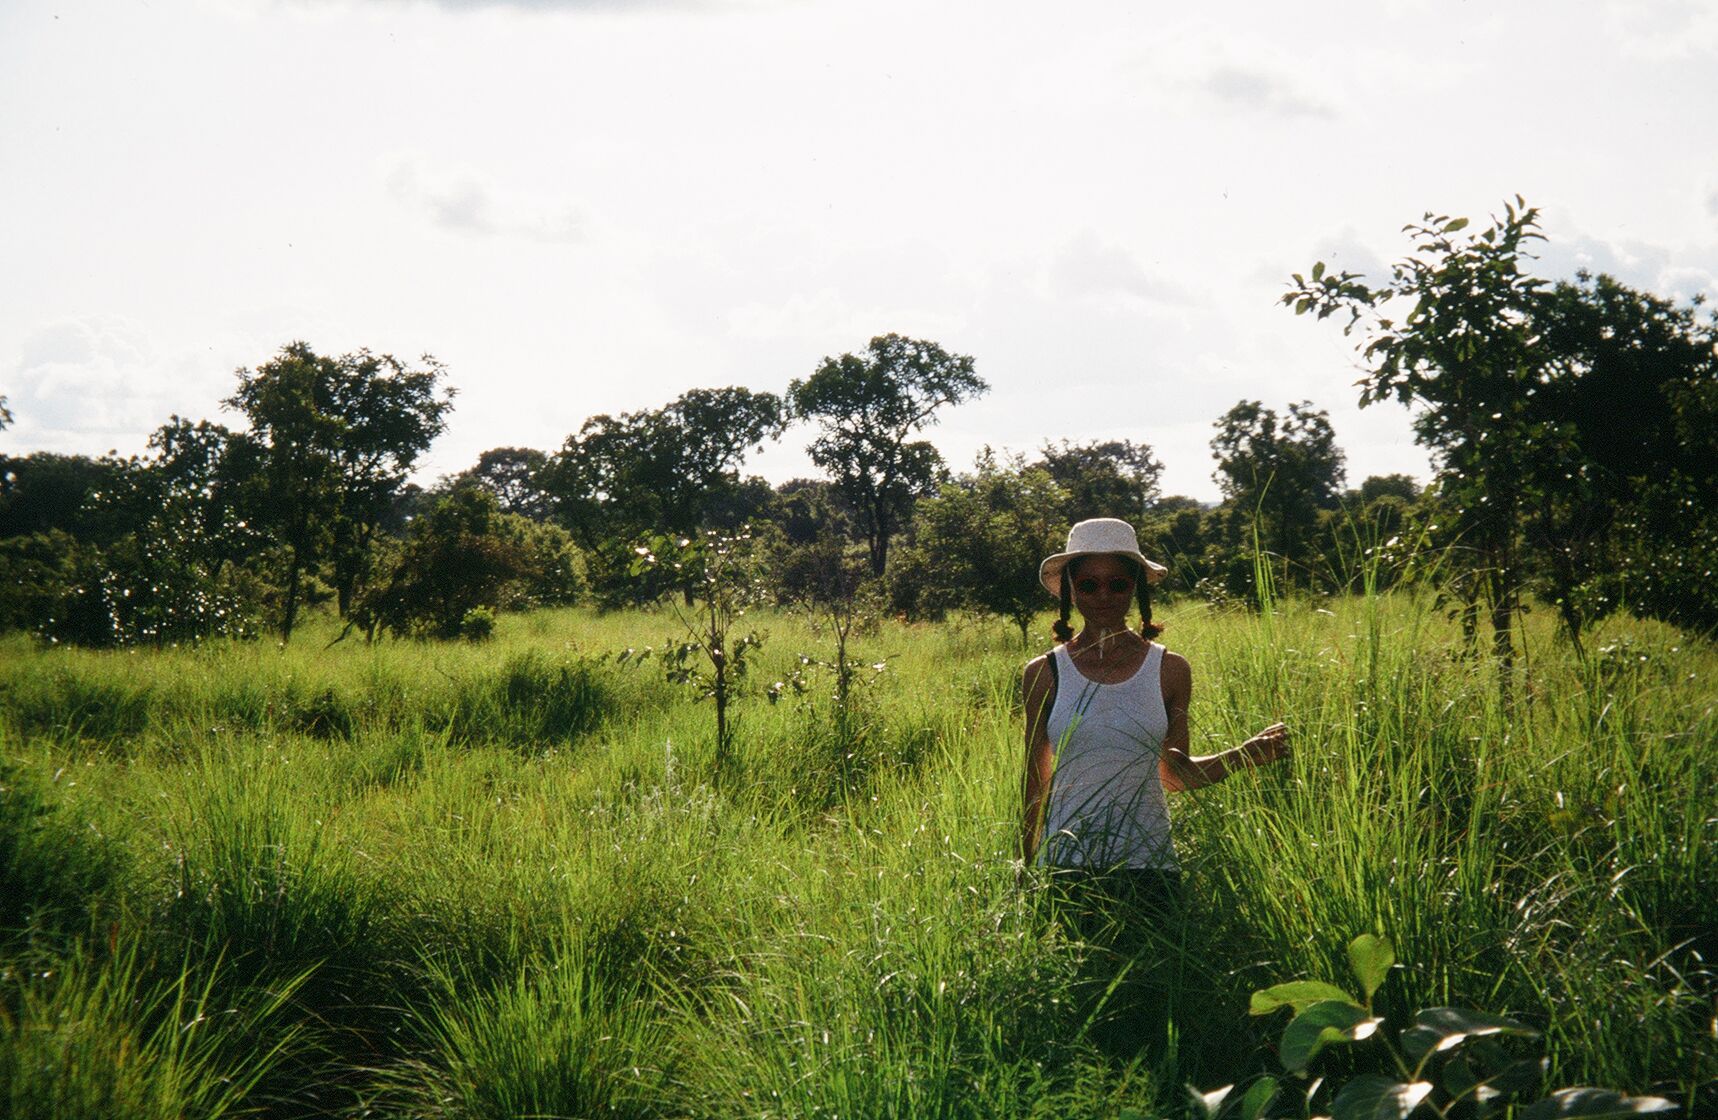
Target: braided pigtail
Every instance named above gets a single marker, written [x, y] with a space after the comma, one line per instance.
[1060, 627]
[1142, 591]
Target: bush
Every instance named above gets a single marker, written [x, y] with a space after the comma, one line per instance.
[478, 625]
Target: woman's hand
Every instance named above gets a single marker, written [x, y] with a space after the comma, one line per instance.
[1268, 746]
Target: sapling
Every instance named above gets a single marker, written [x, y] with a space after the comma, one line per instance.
[719, 572]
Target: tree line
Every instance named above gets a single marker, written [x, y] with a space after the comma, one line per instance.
[1571, 425]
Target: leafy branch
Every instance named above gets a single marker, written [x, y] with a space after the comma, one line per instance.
[1450, 1062]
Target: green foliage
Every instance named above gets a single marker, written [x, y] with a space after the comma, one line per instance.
[1104, 478]
[157, 579]
[335, 439]
[1572, 423]
[867, 409]
[465, 556]
[37, 573]
[43, 492]
[1448, 1061]
[514, 477]
[672, 470]
[719, 575]
[1467, 353]
[979, 541]
[477, 625]
[1281, 472]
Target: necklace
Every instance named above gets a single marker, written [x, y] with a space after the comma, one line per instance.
[1104, 638]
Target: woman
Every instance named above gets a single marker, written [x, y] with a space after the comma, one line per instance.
[1106, 724]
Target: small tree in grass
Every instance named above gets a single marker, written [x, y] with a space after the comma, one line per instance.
[840, 596]
[720, 571]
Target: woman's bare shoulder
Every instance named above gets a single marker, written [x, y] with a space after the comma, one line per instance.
[1177, 673]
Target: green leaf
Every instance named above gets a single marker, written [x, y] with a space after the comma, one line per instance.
[1322, 1024]
[1594, 1104]
[1460, 1079]
[1372, 1096]
[1371, 957]
[1489, 1093]
[1298, 994]
[1443, 1028]
[1455, 225]
[1258, 1098]
[1318, 270]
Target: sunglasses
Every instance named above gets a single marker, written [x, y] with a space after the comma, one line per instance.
[1118, 585]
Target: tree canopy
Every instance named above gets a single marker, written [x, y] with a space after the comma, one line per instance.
[867, 407]
[337, 437]
[1280, 469]
[1555, 413]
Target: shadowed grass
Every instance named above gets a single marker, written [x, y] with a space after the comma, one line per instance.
[100, 1035]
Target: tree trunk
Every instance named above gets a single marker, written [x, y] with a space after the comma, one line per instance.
[289, 614]
[1505, 602]
[877, 544]
[1503, 646]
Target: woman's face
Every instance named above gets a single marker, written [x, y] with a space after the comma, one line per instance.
[1103, 589]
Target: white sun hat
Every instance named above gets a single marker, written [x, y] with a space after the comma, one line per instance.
[1106, 535]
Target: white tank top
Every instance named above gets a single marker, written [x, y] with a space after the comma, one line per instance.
[1107, 807]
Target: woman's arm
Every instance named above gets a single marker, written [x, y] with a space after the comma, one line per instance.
[1038, 686]
[1180, 770]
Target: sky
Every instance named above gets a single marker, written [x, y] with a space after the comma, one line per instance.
[591, 206]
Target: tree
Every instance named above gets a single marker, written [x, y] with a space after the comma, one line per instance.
[722, 570]
[1110, 478]
[1377, 486]
[513, 477]
[337, 438]
[984, 534]
[868, 408]
[43, 491]
[214, 476]
[1281, 470]
[462, 555]
[673, 470]
[1622, 476]
[1567, 420]
[1454, 332]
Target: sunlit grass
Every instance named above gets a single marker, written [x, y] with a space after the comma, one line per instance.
[491, 879]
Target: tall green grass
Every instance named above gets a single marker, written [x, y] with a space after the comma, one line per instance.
[464, 880]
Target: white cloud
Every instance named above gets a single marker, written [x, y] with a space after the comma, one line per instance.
[100, 379]
[464, 202]
[1666, 30]
[1678, 275]
[1257, 90]
[1087, 266]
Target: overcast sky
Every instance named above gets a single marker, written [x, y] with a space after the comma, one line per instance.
[585, 206]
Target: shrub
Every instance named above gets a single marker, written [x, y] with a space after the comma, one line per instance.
[478, 625]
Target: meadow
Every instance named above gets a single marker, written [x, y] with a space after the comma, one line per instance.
[504, 879]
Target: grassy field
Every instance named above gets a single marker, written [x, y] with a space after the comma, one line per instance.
[502, 879]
